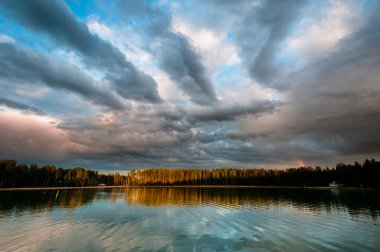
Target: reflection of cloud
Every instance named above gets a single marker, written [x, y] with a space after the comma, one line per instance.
[36, 235]
[265, 219]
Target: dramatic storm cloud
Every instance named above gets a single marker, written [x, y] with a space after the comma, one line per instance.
[56, 20]
[172, 51]
[30, 67]
[128, 84]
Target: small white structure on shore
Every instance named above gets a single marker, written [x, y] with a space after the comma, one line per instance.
[333, 184]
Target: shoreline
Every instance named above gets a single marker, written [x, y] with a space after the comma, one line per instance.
[185, 186]
[259, 187]
[56, 188]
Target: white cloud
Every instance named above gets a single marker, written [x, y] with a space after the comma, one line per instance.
[244, 90]
[98, 28]
[321, 34]
[128, 41]
[212, 46]
[33, 92]
[124, 39]
[106, 119]
[168, 91]
[6, 39]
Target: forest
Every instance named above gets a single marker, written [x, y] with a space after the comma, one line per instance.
[13, 174]
[367, 174]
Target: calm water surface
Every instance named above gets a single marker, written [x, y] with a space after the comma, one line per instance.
[190, 219]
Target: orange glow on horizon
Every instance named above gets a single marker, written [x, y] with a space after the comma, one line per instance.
[301, 163]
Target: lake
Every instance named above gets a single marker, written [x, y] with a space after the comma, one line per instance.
[190, 219]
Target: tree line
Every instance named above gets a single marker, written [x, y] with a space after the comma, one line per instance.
[353, 175]
[367, 174]
[13, 174]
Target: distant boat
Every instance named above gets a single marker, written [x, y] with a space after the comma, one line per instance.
[334, 184]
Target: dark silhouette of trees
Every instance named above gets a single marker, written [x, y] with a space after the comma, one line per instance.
[20, 175]
[351, 175]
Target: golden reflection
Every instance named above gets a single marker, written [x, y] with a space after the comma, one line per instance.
[228, 197]
[355, 202]
[188, 196]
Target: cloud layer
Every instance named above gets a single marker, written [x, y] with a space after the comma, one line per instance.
[189, 84]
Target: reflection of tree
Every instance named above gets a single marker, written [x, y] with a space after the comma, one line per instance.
[44, 200]
[356, 201]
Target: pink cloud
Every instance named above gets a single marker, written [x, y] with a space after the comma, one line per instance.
[31, 137]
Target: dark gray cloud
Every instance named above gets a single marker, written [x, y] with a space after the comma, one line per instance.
[335, 100]
[178, 59]
[329, 110]
[55, 19]
[215, 14]
[263, 29]
[210, 117]
[172, 50]
[262, 153]
[31, 67]
[248, 136]
[224, 112]
[161, 134]
[21, 106]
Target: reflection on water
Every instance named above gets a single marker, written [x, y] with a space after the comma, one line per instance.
[40, 200]
[315, 199]
[190, 219]
[356, 201]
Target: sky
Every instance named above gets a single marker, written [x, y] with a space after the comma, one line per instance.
[115, 85]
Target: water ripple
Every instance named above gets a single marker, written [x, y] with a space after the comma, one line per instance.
[186, 219]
